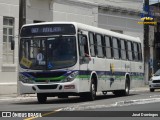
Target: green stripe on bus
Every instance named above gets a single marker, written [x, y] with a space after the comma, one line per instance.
[55, 78]
[83, 76]
[88, 76]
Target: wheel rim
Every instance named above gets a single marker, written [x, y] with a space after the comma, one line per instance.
[93, 91]
[104, 93]
[127, 89]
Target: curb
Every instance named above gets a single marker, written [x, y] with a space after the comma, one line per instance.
[140, 89]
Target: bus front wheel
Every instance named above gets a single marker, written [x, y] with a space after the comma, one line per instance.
[151, 90]
[42, 98]
[92, 94]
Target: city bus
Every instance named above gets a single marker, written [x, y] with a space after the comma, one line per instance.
[61, 59]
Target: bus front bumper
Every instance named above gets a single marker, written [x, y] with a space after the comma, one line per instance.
[68, 87]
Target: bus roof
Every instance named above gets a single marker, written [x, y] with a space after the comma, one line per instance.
[92, 29]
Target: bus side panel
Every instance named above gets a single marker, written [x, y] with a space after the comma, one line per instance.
[100, 67]
[84, 77]
[137, 77]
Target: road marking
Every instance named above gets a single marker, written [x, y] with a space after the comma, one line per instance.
[154, 96]
[31, 118]
[116, 104]
[55, 111]
[45, 114]
[138, 101]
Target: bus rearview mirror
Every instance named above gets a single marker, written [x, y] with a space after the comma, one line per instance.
[85, 60]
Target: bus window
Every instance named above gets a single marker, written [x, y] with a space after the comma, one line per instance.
[135, 51]
[129, 50]
[139, 52]
[115, 48]
[123, 50]
[119, 47]
[108, 47]
[92, 44]
[99, 45]
[132, 48]
[83, 45]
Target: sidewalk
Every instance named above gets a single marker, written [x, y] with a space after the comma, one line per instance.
[143, 88]
[29, 96]
[15, 97]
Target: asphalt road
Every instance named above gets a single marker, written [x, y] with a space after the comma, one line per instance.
[108, 107]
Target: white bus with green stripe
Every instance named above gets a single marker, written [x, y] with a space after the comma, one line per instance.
[73, 59]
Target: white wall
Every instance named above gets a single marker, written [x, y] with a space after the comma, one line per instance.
[8, 8]
[118, 21]
[129, 4]
[75, 12]
[39, 10]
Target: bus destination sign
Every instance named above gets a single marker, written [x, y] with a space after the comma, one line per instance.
[47, 30]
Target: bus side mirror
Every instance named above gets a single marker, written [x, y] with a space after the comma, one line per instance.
[12, 44]
[85, 59]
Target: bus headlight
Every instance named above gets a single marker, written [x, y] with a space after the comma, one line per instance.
[71, 77]
[24, 79]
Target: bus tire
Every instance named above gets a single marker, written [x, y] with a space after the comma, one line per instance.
[151, 90]
[42, 98]
[125, 92]
[92, 94]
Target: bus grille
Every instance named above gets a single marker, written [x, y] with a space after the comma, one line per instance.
[47, 74]
[47, 86]
[156, 81]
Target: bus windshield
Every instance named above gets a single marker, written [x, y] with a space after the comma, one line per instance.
[48, 53]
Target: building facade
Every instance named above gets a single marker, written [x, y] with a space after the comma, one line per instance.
[9, 19]
[116, 15]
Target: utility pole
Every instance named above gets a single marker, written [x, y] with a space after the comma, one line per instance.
[146, 44]
[22, 13]
[157, 38]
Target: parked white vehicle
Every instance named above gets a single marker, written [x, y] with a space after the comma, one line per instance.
[154, 82]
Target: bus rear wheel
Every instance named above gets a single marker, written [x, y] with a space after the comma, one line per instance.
[42, 98]
[125, 92]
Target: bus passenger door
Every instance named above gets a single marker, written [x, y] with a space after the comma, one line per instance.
[84, 62]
